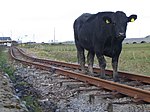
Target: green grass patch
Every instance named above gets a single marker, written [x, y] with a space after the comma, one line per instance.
[32, 102]
[4, 64]
[136, 58]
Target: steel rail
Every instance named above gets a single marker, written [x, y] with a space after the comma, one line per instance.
[141, 78]
[136, 93]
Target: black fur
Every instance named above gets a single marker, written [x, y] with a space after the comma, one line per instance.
[100, 34]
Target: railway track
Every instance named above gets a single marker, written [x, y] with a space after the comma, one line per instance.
[139, 94]
[124, 75]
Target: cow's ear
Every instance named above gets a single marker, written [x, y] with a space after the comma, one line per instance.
[107, 20]
[132, 18]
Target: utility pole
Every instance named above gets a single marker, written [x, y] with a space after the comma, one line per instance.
[11, 34]
[33, 37]
[54, 34]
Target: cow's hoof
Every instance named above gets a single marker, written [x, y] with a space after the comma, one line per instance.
[116, 79]
[84, 72]
[95, 75]
[91, 74]
[102, 77]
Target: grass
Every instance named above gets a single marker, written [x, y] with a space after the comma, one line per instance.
[135, 58]
[4, 64]
[55, 52]
[32, 102]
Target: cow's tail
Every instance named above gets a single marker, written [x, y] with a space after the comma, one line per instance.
[75, 30]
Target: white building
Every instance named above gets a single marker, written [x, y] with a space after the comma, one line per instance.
[137, 40]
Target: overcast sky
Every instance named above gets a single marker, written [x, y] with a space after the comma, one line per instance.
[35, 20]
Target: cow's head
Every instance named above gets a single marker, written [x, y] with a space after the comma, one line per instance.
[119, 21]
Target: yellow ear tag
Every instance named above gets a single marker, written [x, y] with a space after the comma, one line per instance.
[107, 21]
[132, 20]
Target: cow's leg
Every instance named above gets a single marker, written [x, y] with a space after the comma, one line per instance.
[78, 57]
[115, 68]
[90, 61]
[81, 57]
[102, 64]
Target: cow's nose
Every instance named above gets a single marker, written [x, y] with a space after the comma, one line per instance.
[121, 34]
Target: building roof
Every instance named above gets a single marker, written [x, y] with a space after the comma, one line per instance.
[137, 40]
[5, 38]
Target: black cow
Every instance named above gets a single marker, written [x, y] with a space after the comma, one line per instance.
[101, 34]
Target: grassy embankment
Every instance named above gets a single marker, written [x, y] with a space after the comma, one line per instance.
[4, 64]
[135, 58]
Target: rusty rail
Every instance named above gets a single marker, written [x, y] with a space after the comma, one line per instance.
[141, 78]
[136, 93]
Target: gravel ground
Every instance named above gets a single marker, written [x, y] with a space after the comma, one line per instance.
[9, 102]
[57, 93]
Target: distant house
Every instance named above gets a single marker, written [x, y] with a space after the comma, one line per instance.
[5, 41]
[137, 40]
[5, 38]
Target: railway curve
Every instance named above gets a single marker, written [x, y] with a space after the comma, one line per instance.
[136, 93]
